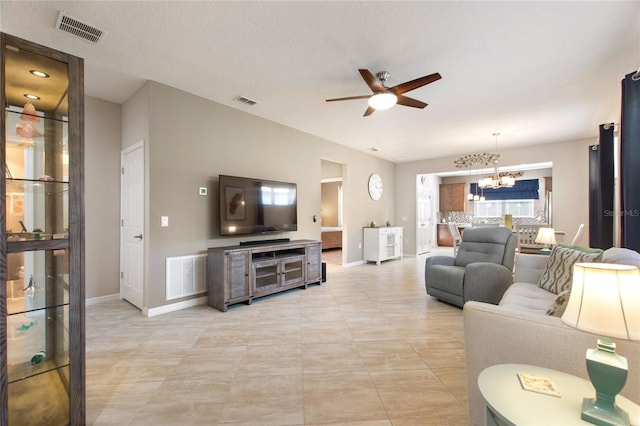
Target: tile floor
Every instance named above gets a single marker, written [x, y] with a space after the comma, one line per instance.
[366, 348]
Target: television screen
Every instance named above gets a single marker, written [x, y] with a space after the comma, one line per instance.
[256, 206]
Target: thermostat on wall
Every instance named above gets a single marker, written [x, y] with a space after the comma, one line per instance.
[202, 190]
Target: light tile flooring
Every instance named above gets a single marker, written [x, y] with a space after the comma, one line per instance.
[366, 348]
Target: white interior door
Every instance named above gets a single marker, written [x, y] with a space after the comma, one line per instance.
[132, 225]
[424, 217]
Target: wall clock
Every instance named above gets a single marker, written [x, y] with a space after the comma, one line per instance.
[375, 186]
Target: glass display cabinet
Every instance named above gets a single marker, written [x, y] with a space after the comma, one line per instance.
[42, 378]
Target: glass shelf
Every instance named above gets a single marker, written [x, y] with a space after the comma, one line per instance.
[36, 210]
[47, 187]
[37, 280]
[12, 109]
[36, 151]
[31, 333]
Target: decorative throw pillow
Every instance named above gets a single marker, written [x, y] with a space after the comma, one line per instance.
[583, 249]
[559, 304]
[558, 272]
[622, 256]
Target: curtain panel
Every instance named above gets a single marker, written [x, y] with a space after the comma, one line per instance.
[601, 189]
[524, 189]
[629, 163]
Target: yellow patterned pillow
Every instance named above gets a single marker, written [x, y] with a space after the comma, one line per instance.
[558, 272]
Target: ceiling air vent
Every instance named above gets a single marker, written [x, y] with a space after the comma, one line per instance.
[246, 100]
[78, 29]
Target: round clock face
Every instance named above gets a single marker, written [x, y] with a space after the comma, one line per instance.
[375, 186]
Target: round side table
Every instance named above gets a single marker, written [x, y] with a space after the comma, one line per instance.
[507, 403]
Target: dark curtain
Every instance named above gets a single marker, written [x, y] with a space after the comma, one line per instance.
[630, 163]
[601, 190]
[594, 201]
[524, 189]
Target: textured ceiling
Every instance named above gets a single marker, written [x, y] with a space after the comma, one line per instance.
[537, 72]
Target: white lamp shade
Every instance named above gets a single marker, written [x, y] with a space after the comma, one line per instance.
[507, 181]
[605, 300]
[382, 100]
[546, 236]
[486, 182]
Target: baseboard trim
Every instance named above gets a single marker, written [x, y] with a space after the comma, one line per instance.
[352, 264]
[174, 307]
[95, 300]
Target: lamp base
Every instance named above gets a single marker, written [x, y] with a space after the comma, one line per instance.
[546, 251]
[608, 373]
[593, 413]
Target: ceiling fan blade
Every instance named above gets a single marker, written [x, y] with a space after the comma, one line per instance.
[414, 84]
[410, 102]
[369, 111]
[349, 98]
[372, 81]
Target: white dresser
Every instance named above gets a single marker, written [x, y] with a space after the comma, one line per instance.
[382, 243]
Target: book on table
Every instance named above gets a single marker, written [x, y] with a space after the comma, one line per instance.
[538, 384]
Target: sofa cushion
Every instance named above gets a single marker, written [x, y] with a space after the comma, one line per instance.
[559, 304]
[622, 256]
[493, 244]
[527, 297]
[558, 271]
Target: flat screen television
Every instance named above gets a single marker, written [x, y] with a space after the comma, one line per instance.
[257, 206]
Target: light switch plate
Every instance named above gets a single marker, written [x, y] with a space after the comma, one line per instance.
[164, 221]
[202, 190]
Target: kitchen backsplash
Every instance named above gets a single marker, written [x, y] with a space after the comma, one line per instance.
[467, 217]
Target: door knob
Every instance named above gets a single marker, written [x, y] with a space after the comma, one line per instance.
[138, 236]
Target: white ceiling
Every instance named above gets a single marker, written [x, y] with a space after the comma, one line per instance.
[537, 72]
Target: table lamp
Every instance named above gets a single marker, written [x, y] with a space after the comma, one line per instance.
[546, 236]
[604, 300]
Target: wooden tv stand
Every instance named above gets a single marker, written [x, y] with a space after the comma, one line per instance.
[242, 273]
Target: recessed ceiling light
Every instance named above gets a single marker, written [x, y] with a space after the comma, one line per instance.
[32, 97]
[39, 73]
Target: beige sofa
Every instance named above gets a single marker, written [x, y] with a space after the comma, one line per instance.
[519, 331]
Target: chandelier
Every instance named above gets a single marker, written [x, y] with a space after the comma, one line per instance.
[497, 179]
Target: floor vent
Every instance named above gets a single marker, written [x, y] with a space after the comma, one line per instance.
[78, 29]
[246, 100]
[186, 276]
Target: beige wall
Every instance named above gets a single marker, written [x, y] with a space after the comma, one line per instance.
[331, 170]
[570, 183]
[102, 197]
[191, 140]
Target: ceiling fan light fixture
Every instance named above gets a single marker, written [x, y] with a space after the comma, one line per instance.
[382, 100]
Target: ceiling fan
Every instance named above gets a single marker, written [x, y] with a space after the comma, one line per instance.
[384, 97]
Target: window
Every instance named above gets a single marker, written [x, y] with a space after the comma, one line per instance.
[498, 208]
[524, 189]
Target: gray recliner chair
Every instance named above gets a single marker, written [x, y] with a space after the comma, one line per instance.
[481, 271]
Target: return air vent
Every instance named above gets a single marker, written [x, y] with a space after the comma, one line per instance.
[78, 29]
[246, 100]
